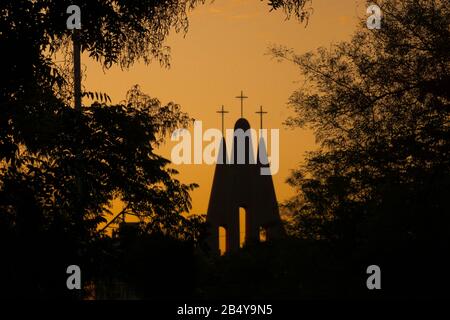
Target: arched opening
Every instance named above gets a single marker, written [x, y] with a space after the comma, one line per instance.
[242, 226]
[222, 240]
[262, 234]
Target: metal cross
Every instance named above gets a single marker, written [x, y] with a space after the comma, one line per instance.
[222, 111]
[261, 113]
[242, 97]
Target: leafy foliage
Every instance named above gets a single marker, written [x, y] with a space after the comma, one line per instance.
[380, 109]
[297, 8]
[60, 168]
[86, 160]
[379, 105]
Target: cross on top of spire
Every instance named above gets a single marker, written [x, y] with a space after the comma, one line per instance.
[242, 97]
[261, 114]
[222, 111]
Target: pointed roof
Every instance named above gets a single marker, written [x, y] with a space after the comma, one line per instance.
[242, 123]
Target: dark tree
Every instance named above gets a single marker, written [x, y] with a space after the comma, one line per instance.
[379, 106]
[60, 168]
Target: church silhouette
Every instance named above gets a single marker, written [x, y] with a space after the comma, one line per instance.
[238, 189]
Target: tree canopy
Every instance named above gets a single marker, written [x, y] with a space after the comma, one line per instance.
[60, 168]
[379, 106]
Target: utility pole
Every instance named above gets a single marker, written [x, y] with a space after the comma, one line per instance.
[78, 108]
[77, 69]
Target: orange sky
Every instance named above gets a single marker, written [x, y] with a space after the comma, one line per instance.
[224, 52]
